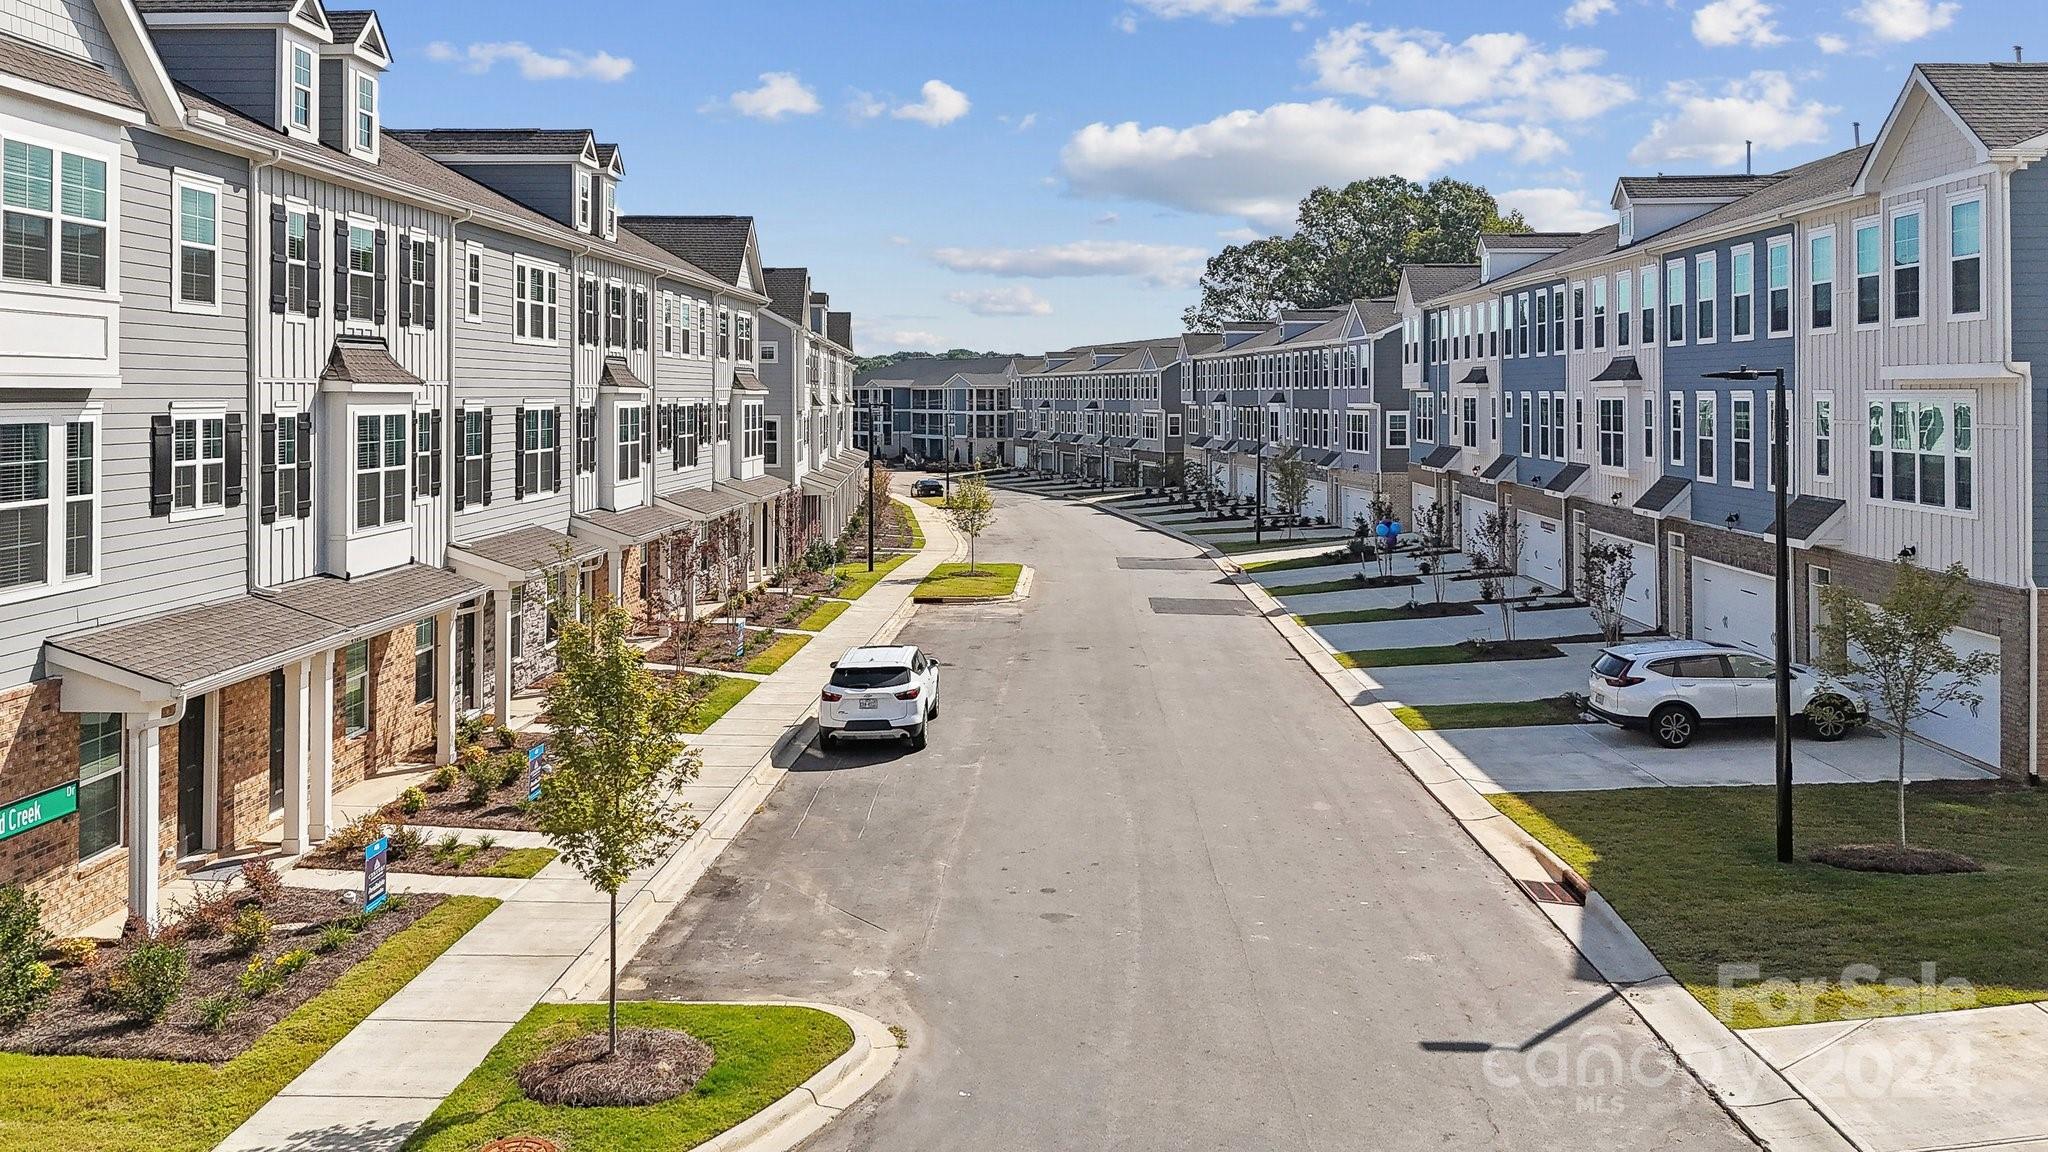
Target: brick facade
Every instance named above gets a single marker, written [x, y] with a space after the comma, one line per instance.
[398, 727]
[244, 762]
[38, 752]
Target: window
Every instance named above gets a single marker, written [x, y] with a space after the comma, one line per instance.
[1172, 426]
[1578, 424]
[750, 429]
[1742, 292]
[1649, 427]
[518, 629]
[1624, 309]
[1648, 280]
[472, 283]
[639, 317]
[362, 272]
[199, 462]
[366, 113]
[1928, 447]
[380, 470]
[423, 452]
[1425, 417]
[471, 477]
[743, 325]
[615, 315]
[1578, 317]
[1820, 280]
[417, 255]
[1823, 437]
[59, 197]
[1867, 275]
[1778, 283]
[1528, 429]
[423, 661]
[611, 209]
[302, 89]
[1557, 319]
[631, 425]
[1703, 437]
[99, 783]
[1543, 420]
[1707, 291]
[1542, 323]
[1966, 258]
[771, 440]
[1906, 266]
[537, 455]
[1613, 432]
[1742, 439]
[1600, 313]
[583, 201]
[1674, 302]
[1355, 439]
[1557, 423]
[668, 325]
[285, 459]
[355, 695]
[1522, 324]
[1397, 429]
[296, 269]
[1470, 421]
[198, 246]
[1675, 430]
[24, 505]
[535, 305]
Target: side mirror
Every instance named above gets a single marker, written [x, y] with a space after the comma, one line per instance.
[835, 664]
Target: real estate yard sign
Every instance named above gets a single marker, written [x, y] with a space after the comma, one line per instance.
[535, 757]
[375, 857]
[35, 811]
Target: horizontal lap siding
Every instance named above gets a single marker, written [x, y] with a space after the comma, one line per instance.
[685, 380]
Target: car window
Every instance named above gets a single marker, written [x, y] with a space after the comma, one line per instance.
[1751, 667]
[869, 677]
[1610, 664]
[1701, 668]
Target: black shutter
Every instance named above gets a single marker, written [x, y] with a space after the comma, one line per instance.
[313, 264]
[277, 258]
[422, 478]
[680, 420]
[405, 316]
[435, 435]
[304, 433]
[661, 426]
[461, 458]
[377, 310]
[267, 467]
[341, 268]
[232, 465]
[646, 441]
[489, 448]
[160, 465]
[519, 452]
[558, 447]
[433, 282]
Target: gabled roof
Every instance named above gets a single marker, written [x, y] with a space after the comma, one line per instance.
[58, 70]
[1427, 282]
[2003, 104]
[787, 290]
[1508, 241]
[366, 360]
[839, 329]
[1378, 315]
[1702, 187]
[717, 244]
[1197, 342]
[362, 32]
[1815, 180]
[931, 371]
[569, 143]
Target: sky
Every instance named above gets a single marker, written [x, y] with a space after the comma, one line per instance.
[1022, 175]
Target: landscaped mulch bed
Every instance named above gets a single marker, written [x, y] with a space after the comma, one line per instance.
[450, 807]
[895, 531]
[70, 1024]
[469, 860]
[649, 1066]
[710, 644]
[1443, 611]
[1893, 858]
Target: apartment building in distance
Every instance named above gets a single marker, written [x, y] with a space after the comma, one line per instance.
[933, 409]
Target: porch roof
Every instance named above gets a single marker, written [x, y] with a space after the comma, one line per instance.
[632, 525]
[527, 551]
[195, 650]
[373, 604]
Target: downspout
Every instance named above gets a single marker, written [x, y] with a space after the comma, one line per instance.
[254, 225]
[2026, 373]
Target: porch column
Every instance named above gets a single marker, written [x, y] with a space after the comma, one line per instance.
[145, 782]
[209, 788]
[320, 745]
[501, 601]
[297, 694]
[444, 687]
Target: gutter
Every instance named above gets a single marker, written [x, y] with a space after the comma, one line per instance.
[2026, 373]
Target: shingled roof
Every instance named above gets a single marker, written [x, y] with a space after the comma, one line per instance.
[1504, 241]
[717, 244]
[148, 6]
[2004, 104]
[787, 290]
[1690, 187]
[495, 141]
[839, 329]
[82, 77]
[1426, 282]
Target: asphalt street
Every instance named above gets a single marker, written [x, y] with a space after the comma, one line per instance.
[1151, 886]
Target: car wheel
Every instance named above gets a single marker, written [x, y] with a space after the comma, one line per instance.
[917, 738]
[1674, 725]
[935, 707]
[1827, 718]
[827, 740]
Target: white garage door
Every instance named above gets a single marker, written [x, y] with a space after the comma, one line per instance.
[1318, 502]
[1973, 732]
[1420, 497]
[1639, 602]
[1730, 606]
[1542, 549]
[1477, 509]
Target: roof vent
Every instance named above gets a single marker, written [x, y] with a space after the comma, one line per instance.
[1856, 129]
[2019, 54]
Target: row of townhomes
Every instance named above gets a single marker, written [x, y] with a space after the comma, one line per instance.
[1571, 381]
[954, 411]
[307, 423]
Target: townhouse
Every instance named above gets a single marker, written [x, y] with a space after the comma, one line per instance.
[309, 429]
[962, 411]
[1109, 412]
[806, 361]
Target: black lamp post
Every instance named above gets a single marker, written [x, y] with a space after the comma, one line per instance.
[1784, 597]
[1259, 512]
[874, 445]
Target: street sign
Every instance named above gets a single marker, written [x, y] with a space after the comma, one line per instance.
[35, 811]
[534, 757]
[739, 637]
[375, 857]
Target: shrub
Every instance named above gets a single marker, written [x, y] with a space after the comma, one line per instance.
[332, 938]
[445, 776]
[358, 834]
[263, 879]
[146, 982]
[411, 801]
[482, 779]
[208, 915]
[447, 845]
[250, 931]
[407, 842]
[76, 952]
[259, 979]
[215, 1011]
[470, 729]
[486, 842]
[290, 962]
[506, 737]
[25, 980]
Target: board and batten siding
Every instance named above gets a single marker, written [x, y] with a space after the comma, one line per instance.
[1583, 364]
[685, 379]
[151, 564]
[549, 189]
[2028, 289]
[593, 489]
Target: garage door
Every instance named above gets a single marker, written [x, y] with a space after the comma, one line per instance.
[1639, 602]
[1974, 732]
[1476, 509]
[1420, 497]
[1730, 606]
[1542, 549]
[1317, 502]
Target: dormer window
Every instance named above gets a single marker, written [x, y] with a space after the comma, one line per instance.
[1628, 226]
[301, 89]
[611, 211]
[366, 113]
[583, 201]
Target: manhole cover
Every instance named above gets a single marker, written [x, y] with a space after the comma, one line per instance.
[520, 1144]
[1182, 606]
[1164, 564]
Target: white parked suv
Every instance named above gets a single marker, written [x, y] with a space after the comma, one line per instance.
[1671, 687]
[879, 690]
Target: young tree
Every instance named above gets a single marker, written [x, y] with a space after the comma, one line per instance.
[1382, 511]
[972, 512]
[1497, 550]
[609, 803]
[1290, 489]
[1607, 569]
[1192, 480]
[1434, 527]
[1898, 651]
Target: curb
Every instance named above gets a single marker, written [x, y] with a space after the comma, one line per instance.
[818, 1101]
[1022, 592]
[1755, 1095]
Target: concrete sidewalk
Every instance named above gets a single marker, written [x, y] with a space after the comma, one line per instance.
[548, 939]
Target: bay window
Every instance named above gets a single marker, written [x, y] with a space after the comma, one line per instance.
[1613, 432]
[631, 424]
[381, 449]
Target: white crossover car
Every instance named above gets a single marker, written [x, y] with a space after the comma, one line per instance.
[880, 690]
[1671, 687]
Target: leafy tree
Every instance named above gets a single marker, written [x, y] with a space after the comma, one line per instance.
[1290, 489]
[1604, 576]
[1898, 651]
[972, 512]
[1497, 549]
[610, 802]
[1349, 244]
[1433, 525]
[1193, 480]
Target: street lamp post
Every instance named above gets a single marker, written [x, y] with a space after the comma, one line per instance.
[874, 445]
[1783, 584]
[1259, 512]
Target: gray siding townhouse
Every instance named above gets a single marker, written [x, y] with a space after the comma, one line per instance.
[936, 409]
[804, 370]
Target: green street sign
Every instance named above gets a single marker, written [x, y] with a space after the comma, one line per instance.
[38, 810]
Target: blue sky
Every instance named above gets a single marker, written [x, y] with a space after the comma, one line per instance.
[1031, 174]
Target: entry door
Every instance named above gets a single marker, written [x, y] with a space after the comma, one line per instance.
[276, 741]
[191, 776]
[465, 660]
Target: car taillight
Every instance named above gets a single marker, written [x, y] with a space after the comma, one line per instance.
[832, 697]
[908, 694]
[1623, 681]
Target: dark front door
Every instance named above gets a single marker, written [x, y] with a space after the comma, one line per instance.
[465, 660]
[191, 776]
[277, 741]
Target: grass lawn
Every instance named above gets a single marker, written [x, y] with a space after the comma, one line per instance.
[776, 654]
[1694, 872]
[1239, 530]
[855, 579]
[1444, 654]
[827, 612]
[763, 1053]
[1323, 561]
[730, 691]
[991, 581]
[1381, 615]
[1513, 714]
[1347, 584]
[521, 864]
[88, 1104]
[934, 501]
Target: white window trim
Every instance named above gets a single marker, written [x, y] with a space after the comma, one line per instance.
[285, 87]
[381, 411]
[416, 242]
[1738, 400]
[1883, 279]
[1773, 245]
[522, 269]
[1948, 400]
[1889, 270]
[604, 318]
[620, 441]
[180, 181]
[287, 417]
[85, 148]
[520, 451]
[57, 467]
[356, 77]
[349, 318]
[1834, 416]
[1650, 292]
[1620, 434]
[1710, 404]
[1710, 263]
[472, 256]
[1674, 430]
[1734, 337]
[182, 410]
[584, 198]
[1674, 334]
[1834, 281]
[421, 415]
[1624, 314]
[1949, 205]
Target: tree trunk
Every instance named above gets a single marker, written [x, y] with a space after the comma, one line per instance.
[1902, 785]
[612, 994]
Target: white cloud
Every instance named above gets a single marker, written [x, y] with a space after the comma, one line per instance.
[941, 104]
[1025, 121]
[908, 340]
[1126, 23]
[1238, 235]
[1260, 164]
[1224, 11]
[1164, 265]
[780, 94]
[1831, 44]
[865, 105]
[1107, 219]
[1726, 23]
[1711, 127]
[532, 64]
[1017, 301]
[1898, 21]
[1584, 12]
[1498, 74]
[1556, 209]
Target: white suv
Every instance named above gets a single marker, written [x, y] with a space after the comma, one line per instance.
[1671, 687]
[880, 690]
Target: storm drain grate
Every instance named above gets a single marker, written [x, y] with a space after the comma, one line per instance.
[1163, 564]
[1548, 892]
[1182, 606]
